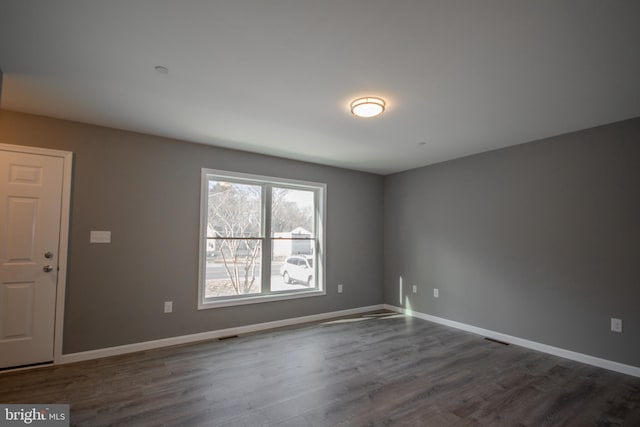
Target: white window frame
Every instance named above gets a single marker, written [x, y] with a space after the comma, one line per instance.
[267, 182]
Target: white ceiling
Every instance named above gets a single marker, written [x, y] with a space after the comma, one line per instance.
[277, 76]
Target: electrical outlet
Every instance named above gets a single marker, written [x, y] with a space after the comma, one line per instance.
[340, 288]
[168, 306]
[616, 325]
[436, 293]
[415, 289]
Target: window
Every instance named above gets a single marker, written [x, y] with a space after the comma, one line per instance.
[262, 239]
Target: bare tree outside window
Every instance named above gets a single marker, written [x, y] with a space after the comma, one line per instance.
[288, 213]
[235, 227]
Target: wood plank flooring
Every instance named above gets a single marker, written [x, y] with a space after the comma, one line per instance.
[373, 370]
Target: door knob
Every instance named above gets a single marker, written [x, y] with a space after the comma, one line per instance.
[48, 254]
[47, 268]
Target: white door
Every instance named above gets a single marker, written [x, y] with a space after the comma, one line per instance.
[30, 203]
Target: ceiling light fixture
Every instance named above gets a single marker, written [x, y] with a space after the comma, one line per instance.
[367, 107]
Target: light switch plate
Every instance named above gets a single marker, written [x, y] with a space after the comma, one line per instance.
[100, 237]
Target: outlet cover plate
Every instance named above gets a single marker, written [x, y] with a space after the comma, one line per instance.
[616, 325]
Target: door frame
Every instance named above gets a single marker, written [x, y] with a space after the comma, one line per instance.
[65, 214]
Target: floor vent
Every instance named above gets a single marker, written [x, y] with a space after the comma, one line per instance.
[496, 341]
[227, 338]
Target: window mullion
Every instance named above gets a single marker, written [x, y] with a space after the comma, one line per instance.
[266, 238]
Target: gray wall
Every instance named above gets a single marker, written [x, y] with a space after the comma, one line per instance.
[540, 240]
[146, 190]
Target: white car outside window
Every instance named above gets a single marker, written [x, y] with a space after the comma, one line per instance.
[298, 269]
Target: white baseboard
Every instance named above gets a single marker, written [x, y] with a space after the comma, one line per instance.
[556, 351]
[184, 339]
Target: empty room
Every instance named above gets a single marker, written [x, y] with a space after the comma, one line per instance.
[320, 213]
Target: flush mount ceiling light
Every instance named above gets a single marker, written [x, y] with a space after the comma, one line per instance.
[367, 107]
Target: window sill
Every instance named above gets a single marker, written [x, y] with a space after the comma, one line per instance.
[235, 301]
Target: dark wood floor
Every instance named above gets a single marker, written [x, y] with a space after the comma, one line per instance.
[372, 370]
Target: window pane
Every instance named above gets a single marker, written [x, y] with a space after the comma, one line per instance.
[239, 221]
[234, 210]
[292, 213]
[234, 267]
[292, 272]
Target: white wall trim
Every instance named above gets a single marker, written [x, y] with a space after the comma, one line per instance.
[556, 351]
[65, 213]
[184, 339]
